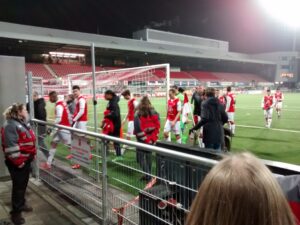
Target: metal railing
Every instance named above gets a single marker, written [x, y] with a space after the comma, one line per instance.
[150, 185]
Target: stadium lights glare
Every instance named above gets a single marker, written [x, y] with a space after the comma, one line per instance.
[66, 54]
[286, 11]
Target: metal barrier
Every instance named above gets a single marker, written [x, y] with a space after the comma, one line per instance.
[150, 185]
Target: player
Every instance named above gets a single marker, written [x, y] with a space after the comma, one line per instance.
[173, 116]
[80, 116]
[132, 105]
[267, 104]
[62, 117]
[221, 97]
[230, 109]
[278, 102]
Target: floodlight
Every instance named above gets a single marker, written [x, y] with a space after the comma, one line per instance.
[286, 11]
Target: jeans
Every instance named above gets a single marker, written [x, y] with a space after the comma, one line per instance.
[216, 147]
[19, 177]
[144, 159]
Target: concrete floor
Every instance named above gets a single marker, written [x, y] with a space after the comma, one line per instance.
[46, 211]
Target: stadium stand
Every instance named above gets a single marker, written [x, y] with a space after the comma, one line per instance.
[38, 70]
[62, 70]
[238, 77]
[180, 75]
[203, 76]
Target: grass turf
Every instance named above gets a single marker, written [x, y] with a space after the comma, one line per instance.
[279, 145]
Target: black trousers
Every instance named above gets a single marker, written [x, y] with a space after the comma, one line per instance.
[19, 177]
[117, 146]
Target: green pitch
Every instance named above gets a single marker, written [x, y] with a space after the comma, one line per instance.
[280, 143]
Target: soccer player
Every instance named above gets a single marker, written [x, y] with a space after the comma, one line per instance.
[80, 116]
[230, 109]
[267, 104]
[278, 101]
[221, 97]
[173, 116]
[132, 104]
[62, 117]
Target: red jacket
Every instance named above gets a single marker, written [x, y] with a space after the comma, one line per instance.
[18, 141]
[147, 128]
[107, 124]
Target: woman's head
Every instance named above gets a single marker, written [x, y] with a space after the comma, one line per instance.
[16, 111]
[240, 190]
[145, 107]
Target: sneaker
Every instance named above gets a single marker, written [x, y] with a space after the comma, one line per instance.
[69, 156]
[118, 158]
[45, 166]
[76, 166]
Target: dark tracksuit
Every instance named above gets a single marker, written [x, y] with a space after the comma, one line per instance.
[115, 116]
[213, 117]
[40, 113]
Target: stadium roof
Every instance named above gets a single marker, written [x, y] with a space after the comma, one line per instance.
[55, 36]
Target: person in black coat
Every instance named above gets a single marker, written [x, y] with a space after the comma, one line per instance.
[40, 113]
[115, 116]
[213, 117]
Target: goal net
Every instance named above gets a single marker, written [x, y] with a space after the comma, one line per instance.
[152, 81]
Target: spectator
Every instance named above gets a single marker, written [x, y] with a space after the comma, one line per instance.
[240, 190]
[197, 100]
[18, 143]
[146, 127]
[114, 115]
[40, 113]
[71, 104]
[213, 117]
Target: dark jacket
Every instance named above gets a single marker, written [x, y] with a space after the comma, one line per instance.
[40, 112]
[213, 117]
[114, 114]
[197, 100]
[71, 106]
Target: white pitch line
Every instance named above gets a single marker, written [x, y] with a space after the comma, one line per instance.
[275, 129]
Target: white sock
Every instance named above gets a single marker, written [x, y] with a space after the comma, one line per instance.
[233, 128]
[178, 141]
[269, 122]
[51, 156]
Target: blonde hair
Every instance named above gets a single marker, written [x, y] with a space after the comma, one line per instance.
[240, 190]
[12, 111]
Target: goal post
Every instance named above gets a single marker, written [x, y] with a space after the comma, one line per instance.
[152, 81]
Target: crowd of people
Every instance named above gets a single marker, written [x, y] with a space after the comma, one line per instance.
[212, 110]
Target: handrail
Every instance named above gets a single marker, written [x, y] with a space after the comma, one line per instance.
[139, 145]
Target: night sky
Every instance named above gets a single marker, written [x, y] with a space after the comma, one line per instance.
[241, 22]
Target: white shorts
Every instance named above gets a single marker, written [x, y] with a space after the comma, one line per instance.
[268, 113]
[230, 116]
[63, 136]
[278, 105]
[169, 128]
[130, 128]
[81, 125]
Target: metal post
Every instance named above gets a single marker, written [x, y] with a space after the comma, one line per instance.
[95, 104]
[104, 181]
[295, 40]
[34, 164]
[168, 82]
[69, 85]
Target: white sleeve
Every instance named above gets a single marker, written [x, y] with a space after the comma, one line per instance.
[228, 102]
[58, 111]
[135, 103]
[273, 102]
[81, 109]
[179, 106]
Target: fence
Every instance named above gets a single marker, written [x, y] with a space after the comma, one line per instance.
[150, 185]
